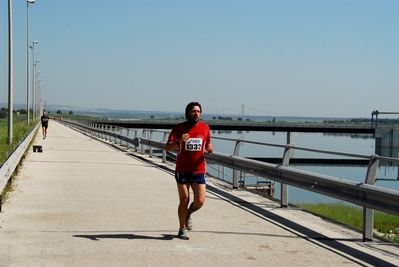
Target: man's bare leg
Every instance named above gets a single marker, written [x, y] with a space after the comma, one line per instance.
[199, 191]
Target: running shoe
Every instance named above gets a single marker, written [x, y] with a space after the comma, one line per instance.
[189, 222]
[183, 234]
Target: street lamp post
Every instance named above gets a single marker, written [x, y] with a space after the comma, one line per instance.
[10, 72]
[40, 105]
[35, 76]
[27, 59]
[34, 73]
[38, 94]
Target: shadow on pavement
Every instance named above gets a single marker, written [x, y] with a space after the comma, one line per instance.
[96, 237]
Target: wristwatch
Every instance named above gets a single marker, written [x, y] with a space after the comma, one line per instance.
[177, 142]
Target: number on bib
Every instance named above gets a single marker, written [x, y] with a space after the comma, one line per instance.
[194, 144]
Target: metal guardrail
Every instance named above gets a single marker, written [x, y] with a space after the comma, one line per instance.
[111, 133]
[366, 194]
[8, 168]
[242, 125]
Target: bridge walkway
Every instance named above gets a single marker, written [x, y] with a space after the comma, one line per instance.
[84, 202]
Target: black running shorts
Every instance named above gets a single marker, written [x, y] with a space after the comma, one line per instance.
[184, 178]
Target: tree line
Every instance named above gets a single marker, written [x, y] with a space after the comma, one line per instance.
[4, 112]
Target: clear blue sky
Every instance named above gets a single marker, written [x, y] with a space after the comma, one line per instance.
[337, 58]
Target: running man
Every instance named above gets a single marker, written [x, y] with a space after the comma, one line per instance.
[192, 138]
[44, 119]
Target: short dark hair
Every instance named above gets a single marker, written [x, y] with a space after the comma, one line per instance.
[190, 107]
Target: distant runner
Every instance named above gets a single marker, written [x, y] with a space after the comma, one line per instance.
[44, 119]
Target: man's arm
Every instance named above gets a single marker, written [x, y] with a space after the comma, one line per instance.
[171, 145]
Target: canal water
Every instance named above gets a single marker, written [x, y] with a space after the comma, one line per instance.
[364, 144]
[387, 175]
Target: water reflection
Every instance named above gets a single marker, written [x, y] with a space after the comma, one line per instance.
[387, 174]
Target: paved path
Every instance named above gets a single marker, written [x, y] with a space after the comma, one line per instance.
[84, 203]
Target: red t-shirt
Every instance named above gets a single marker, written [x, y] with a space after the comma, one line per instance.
[190, 156]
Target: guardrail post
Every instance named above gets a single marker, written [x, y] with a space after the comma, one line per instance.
[105, 133]
[120, 139]
[151, 148]
[288, 153]
[284, 187]
[144, 135]
[115, 130]
[368, 214]
[127, 135]
[164, 139]
[236, 172]
[136, 145]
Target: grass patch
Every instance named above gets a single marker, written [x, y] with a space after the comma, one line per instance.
[19, 132]
[5, 193]
[386, 225]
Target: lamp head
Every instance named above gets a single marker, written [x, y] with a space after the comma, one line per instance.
[35, 42]
[30, 1]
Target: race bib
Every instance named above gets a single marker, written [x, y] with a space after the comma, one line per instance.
[194, 144]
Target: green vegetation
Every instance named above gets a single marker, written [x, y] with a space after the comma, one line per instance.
[4, 194]
[19, 131]
[386, 225]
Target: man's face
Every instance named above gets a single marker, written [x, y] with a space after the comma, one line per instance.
[194, 115]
